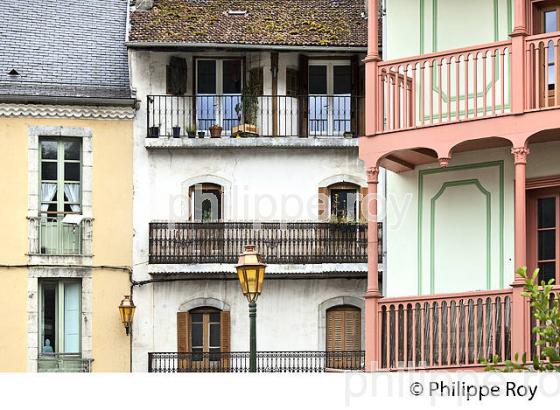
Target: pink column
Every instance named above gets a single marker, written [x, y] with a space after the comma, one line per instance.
[518, 57]
[520, 325]
[371, 61]
[372, 295]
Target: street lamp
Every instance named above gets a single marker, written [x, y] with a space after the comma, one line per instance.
[250, 271]
[126, 309]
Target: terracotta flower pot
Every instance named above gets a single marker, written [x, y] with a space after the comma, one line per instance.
[215, 131]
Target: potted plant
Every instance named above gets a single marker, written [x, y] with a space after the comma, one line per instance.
[191, 131]
[215, 131]
[247, 111]
[176, 132]
[153, 132]
[201, 134]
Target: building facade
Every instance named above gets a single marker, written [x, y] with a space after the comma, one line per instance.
[66, 134]
[246, 134]
[465, 122]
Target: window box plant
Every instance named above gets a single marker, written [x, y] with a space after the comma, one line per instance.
[176, 132]
[191, 131]
[153, 132]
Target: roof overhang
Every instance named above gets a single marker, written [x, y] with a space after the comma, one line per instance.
[287, 47]
[67, 100]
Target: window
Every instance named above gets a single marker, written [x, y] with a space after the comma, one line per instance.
[343, 202]
[546, 19]
[544, 232]
[59, 316]
[330, 97]
[206, 203]
[60, 194]
[218, 93]
[292, 85]
[205, 333]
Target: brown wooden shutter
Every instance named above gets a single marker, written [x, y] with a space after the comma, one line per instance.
[323, 204]
[183, 332]
[225, 333]
[303, 102]
[354, 64]
[176, 76]
[363, 204]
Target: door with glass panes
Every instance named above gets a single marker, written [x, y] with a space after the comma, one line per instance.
[546, 19]
[60, 195]
[330, 97]
[218, 93]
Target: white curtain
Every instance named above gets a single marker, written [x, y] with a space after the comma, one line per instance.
[48, 191]
[72, 192]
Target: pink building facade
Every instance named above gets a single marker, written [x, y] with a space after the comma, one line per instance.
[454, 118]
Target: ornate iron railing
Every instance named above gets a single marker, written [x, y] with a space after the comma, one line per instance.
[267, 362]
[222, 242]
[265, 116]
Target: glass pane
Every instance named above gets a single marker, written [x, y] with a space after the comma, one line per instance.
[214, 335]
[206, 111]
[72, 150]
[547, 212]
[49, 323]
[48, 171]
[215, 317]
[231, 76]
[214, 355]
[196, 335]
[206, 82]
[207, 206]
[318, 114]
[71, 171]
[341, 114]
[72, 295]
[48, 149]
[550, 21]
[317, 79]
[197, 354]
[196, 317]
[547, 245]
[342, 81]
[547, 271]
[343, 203]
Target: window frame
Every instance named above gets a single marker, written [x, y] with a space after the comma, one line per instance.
[533, 197]
[344, 187]
[59, 315]
[206, 188]
[207, 348]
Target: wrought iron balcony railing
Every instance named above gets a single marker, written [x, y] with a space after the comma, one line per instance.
[264, 116]
[282, 243]
[267, 362]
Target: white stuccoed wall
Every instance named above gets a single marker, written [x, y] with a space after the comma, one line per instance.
[266, 184]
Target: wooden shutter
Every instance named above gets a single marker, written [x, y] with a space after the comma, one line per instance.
[225, 333]
[176, 76]
[323, 204]
[183, 341]
[354, 64]
[352, 330]
[303, 102]
[363, 211]
[183, 332]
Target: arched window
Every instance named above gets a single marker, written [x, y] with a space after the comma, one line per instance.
[341, 202]
[206, 202]
[204, 332]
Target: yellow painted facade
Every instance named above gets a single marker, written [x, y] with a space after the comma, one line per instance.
[112, 238]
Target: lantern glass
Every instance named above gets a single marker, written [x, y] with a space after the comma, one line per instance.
[250, 272]
[126, 310]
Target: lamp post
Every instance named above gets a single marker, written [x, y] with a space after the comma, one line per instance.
[126, 309]
[250, 270]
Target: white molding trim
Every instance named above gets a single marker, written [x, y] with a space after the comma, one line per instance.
[204, 302]
[67, 111]
[206, 179]
[337, 179]
[337, 301]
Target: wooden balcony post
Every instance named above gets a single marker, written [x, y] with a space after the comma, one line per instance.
[373, 294]
[520, 324]
[371, 61]
[518, 57]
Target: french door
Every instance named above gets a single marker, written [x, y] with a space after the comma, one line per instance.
[543, 232]
[547, 20]
[218, 93]
[330, 97]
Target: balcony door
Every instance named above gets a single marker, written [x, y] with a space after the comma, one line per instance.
[344, 334]
[330, 97]
[543, 232]
[218, 93]
[546, 19]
